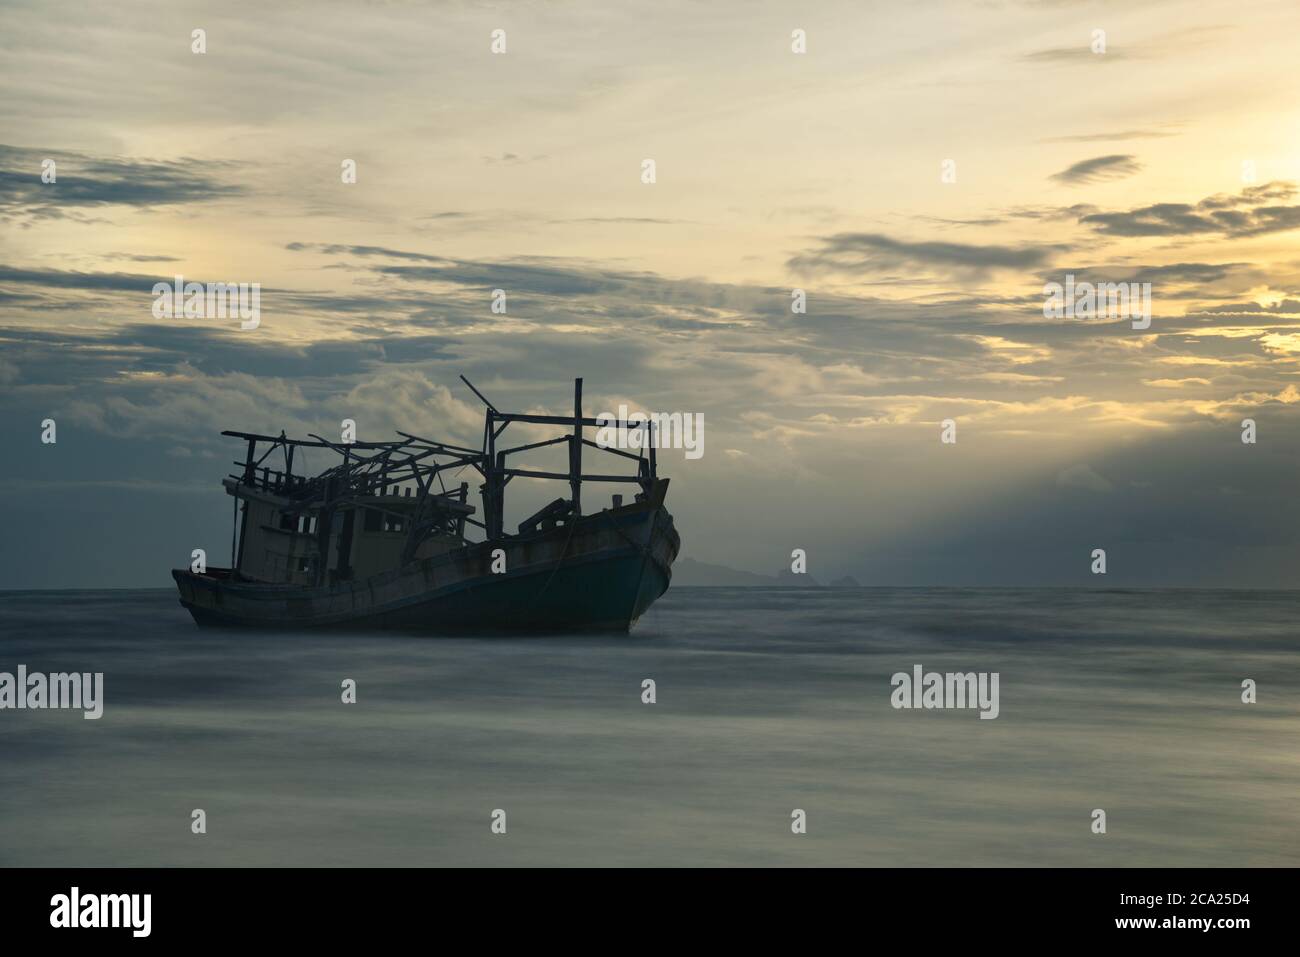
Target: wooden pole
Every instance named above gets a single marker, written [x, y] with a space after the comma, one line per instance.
[491, 479]
[575, 449]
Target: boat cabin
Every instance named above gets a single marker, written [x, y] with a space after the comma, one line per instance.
[386, 503]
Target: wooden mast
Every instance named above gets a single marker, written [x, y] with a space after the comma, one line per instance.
[575, 450]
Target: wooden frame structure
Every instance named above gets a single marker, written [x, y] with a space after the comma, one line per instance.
[369, 471]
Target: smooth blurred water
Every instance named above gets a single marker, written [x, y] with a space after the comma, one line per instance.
[768, 700]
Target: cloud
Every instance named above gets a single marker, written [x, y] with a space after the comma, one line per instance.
[1083, 476]
[859, 252]
[1254, 211]
[1074, 54]
[142, 257]
[1175, 383]
[624, 220]
[979, 221]
[1098, 169]
[1111, 137]
[1169, 281]
[1284, 307]
[83, 181]
[1175, 43]
[512, 159]
[71, 279]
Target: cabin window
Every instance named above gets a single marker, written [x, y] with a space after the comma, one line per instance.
[377, 521]
[298, 522]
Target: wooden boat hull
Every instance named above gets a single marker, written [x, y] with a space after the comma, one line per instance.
[599, 573]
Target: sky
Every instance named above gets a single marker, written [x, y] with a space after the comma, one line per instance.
[921, 171]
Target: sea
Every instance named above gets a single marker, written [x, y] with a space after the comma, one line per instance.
[768, 737]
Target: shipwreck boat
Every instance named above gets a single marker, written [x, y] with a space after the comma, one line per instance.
[380, 541]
